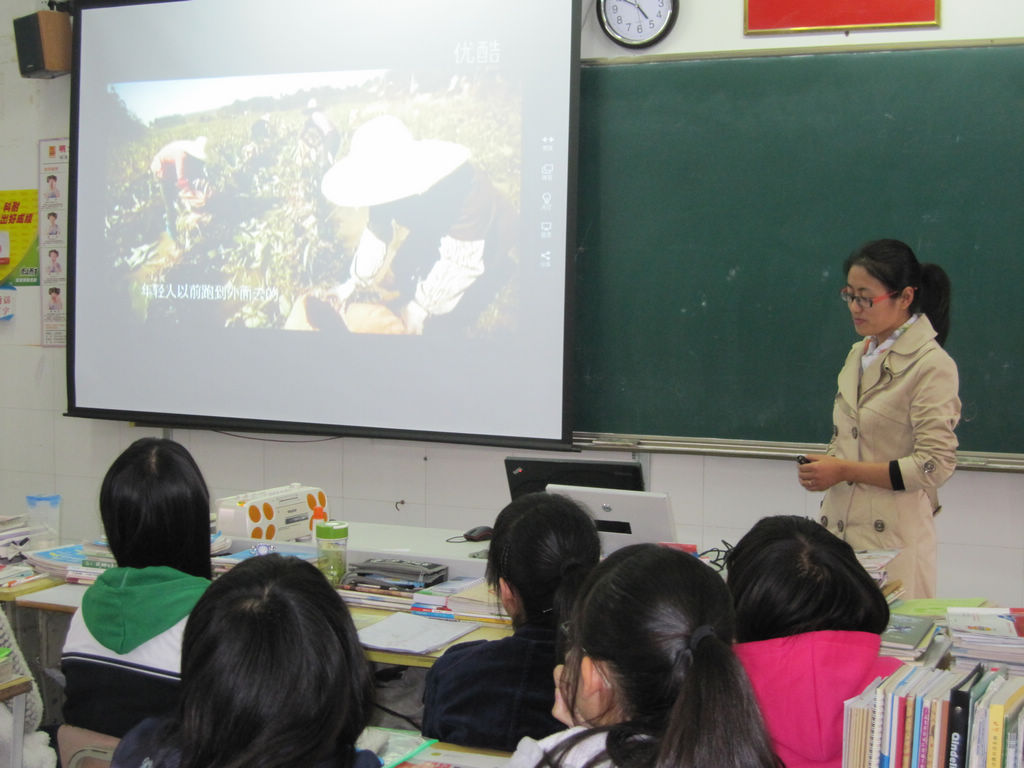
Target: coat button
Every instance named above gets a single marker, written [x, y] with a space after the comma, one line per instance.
[928, 467]
[855, 433]
[879, 525]
[835, 431]
[840, 526]
[824, 520]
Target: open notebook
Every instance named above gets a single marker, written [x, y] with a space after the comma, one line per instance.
[624, 517]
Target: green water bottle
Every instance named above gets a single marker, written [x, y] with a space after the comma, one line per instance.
[332, 550]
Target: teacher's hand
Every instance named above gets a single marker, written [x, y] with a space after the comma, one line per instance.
[820, 472]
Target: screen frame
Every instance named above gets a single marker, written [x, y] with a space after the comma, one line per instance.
[163, 419]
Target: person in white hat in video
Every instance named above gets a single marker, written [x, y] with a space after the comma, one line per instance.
[433, 222]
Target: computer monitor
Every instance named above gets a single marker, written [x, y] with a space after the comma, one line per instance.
[624, 517]
[528, 474]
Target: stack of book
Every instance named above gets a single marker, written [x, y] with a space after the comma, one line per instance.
[990, 635]
[462, 598]
[478, 603]
[908, 638]
[83, 563]
[933, 718]
[223, 561]
[876, 562]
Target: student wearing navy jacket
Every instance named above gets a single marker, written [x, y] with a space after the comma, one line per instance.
[492, 693]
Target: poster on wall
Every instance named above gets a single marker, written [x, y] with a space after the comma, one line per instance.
[53, 239]
[19, 240]
[771, 16]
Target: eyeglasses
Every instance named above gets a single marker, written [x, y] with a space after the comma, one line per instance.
[864, 302]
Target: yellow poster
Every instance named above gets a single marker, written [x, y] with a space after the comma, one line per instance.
[19, 237]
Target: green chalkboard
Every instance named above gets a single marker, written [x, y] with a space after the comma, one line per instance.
[718, 199]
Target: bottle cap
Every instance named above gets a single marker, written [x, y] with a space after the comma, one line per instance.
[332, 529]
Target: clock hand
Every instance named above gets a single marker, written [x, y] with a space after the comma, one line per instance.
[636, 5]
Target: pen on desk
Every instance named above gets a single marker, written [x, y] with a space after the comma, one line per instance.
[19, 582]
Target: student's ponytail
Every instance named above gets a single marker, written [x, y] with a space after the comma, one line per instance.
[936, 291]
[660, 623]
[714, 690]
[543, 546]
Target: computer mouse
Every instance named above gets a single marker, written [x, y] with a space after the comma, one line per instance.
[479, 533]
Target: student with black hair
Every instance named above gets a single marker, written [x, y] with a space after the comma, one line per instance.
[492, 693]
[122, 653]
[650, 679]
[808, 626]
[894, 413]
[272, 675]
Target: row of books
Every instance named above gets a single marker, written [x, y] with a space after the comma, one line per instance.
[932, 718]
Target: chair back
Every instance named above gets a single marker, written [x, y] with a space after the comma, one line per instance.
[82, 748]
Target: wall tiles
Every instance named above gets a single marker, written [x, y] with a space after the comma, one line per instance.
[739, 492]
[466, 476]
[87, 447]
[231, 465]
[995, 573]
[309, 461]
[972, 516]
[27, 440]
[27, 380]
[384, 470]
[682, 478]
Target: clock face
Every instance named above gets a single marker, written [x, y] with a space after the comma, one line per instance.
[637, 23]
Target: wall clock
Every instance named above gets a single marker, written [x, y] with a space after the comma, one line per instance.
[637, 23]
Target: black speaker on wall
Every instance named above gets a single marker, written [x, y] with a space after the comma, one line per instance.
[43, 40]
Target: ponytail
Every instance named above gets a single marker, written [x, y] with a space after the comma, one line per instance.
[714, 690]
[893, 263]
[935, 292]
[661, 622]
[543, 546]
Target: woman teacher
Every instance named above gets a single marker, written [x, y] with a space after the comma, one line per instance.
[897, 405]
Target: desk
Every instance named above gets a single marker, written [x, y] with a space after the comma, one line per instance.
[41, 619]
[16, 689]
[66, 598]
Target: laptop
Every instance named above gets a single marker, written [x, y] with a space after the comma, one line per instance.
[527, 474]
[624, 517]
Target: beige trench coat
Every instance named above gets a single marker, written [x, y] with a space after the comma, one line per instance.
[905, 407]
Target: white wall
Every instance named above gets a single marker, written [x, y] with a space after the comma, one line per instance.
[981, 547]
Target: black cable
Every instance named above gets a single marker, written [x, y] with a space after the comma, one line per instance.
[399, 715]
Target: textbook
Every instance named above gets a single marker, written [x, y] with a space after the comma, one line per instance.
[1005, 705]
[907, 637]
[959, 708]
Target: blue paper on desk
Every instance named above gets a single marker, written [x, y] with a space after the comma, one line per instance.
[406, 633]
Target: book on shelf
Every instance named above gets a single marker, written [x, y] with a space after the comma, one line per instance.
[1004, 706]
[959, 709]
[925, 718]
[857, 726]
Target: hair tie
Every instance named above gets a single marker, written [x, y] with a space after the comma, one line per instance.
[701, 632]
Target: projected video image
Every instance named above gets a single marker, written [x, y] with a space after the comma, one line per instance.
[369, 201]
